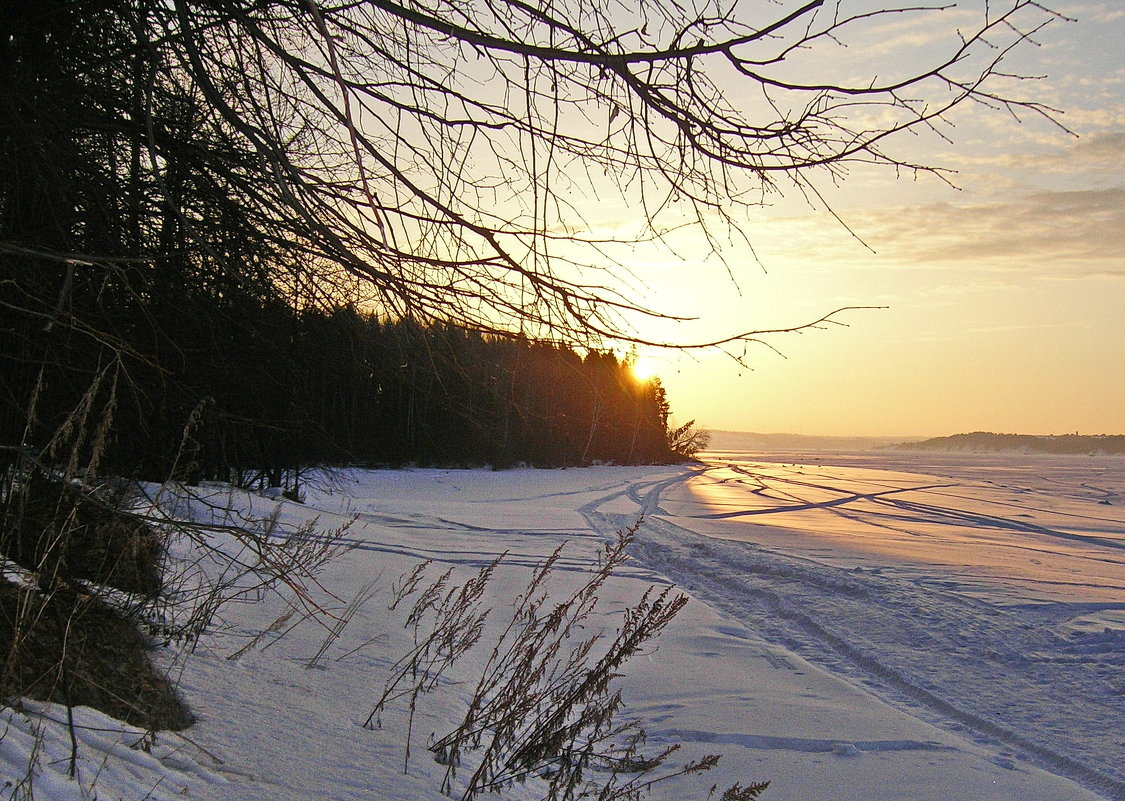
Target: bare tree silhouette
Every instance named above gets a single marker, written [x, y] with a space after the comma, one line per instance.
[446, 153]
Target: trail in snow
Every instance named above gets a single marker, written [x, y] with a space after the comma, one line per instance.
[1016, 652]
[872, 574]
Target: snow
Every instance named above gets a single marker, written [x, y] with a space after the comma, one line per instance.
[878, 626]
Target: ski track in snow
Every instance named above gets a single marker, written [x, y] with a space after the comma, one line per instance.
[803, 744]
[1002, 674]
[1016, 667]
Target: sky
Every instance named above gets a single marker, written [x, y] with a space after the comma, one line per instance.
[1004, 295]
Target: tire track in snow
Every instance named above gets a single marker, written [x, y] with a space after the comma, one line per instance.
[810, 745]
[800, 603]
[916, 511]
[804, 507]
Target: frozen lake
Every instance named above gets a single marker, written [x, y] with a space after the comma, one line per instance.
[984, 593]
[860, 627]
[1015, 529]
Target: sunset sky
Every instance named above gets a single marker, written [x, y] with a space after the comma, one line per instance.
[1005, 295]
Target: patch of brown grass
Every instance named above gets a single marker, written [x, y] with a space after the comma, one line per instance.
[72, 648]
[56, 528]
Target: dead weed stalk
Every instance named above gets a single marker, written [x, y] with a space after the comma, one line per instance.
[545, 705]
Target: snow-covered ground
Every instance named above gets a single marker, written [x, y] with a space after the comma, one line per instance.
[877, 626]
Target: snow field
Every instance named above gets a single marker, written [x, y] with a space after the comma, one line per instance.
[835, 666]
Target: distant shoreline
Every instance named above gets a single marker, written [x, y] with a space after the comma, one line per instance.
[975, 442]
[988, 442]
[751, 441]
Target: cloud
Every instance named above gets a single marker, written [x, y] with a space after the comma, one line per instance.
[1047, 233]
[903, 32]
[1100, 149]
[1103, 118]
[1113, 275]
[1094, 12]
[1028, 327]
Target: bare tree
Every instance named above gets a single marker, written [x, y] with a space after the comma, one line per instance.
[177, 175]
[192, 165]
[447, 152]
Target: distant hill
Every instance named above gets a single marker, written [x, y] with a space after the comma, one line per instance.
[987, 442]
[750, 441]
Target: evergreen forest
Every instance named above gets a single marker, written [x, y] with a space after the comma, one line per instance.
[258, 391]
[181, 299]
[169, 311]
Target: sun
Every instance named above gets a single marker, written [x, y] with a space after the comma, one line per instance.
[645, 368]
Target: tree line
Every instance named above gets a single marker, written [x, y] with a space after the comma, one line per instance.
[160, 320]
[261, 391]
[989, 442]
[198, 197]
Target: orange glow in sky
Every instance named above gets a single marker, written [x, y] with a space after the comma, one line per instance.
[1005, 295]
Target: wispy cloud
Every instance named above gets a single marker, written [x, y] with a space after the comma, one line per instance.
[1095, 12]
[1116, 275]
[1099, 149]
[1102, 151]
[1056, 235]
[1047, 233]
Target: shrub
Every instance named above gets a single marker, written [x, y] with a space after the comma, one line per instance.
[74, 649]
[687, 440]
[545, 705]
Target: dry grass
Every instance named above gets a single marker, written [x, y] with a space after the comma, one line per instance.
[62, 530]
[73, 649]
